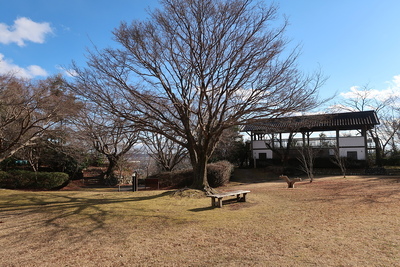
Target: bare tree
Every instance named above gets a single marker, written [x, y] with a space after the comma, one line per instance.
[307, 156]
[28, 109]
[32, 154]
[283, 153]
[167, 153]
[339, 160]
[387, 110]
[111, 136]
[204, 66]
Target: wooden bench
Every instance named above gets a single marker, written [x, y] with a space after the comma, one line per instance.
[220, 196]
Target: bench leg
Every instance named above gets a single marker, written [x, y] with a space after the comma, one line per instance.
[220, 202]
[213, 202]
[244, 197]
[241, 199]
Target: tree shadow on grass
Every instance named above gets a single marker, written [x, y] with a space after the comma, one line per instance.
[202, 209]
[54, 214]
[231, 203]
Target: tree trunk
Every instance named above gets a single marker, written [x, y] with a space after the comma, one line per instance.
[200, 180]
[199, 175]
[109, 177]
[311, 176]
[378, 152]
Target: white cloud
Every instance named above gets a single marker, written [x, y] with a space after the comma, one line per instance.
[393, 90]
[67, 72]
[71, 73]
[7, 67]
[24, 29]
[395, 84]
[356, 91]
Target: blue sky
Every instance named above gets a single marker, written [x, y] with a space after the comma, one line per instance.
[354, 42]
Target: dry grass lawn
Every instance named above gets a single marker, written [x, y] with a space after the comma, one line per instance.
[330, 222]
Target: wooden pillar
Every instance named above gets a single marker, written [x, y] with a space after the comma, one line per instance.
[364, 134]
[273, 141]
[308, 138]
[252, 139]
[337, 142]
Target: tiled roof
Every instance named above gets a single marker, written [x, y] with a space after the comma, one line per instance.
[320, 122]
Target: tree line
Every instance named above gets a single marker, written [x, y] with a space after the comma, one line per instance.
[45, 126]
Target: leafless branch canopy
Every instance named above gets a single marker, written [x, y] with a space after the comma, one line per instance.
[28, 108]
[110, 135]
[166, 153]
[387, 109]
[198, 67]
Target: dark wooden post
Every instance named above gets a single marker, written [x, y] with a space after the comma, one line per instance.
[364, 134]
[134, 182]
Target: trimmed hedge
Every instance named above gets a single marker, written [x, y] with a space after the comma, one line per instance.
[218, 174]
[20, 179]
[5, 178]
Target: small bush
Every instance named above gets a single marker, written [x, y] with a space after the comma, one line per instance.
[5, 178]
[19, 179]
[218, 174]
[51, 180]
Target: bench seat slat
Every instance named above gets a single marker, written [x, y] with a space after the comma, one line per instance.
[232, 193]
[220, 196]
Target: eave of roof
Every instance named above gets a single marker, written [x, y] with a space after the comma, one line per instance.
[321, 122]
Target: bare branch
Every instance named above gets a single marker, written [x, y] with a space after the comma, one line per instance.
[204, 66]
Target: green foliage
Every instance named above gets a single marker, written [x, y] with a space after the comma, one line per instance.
[392, 160]
[5, 178]
[20, 179]
[54, 157]
[51, 180]
[11, 163]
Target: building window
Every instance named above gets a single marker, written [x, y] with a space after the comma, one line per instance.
[352, 155]
[262, 155]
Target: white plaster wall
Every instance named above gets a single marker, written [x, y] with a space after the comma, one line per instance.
[343, 152]
[259, 144]
[360, 152]
[351, 141]
[256, 153]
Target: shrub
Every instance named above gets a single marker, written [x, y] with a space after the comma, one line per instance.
[20, 179]
[5, 178]
[51, 180]
[218, 174]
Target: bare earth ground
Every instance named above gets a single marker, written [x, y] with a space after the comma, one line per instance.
[330, 222]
